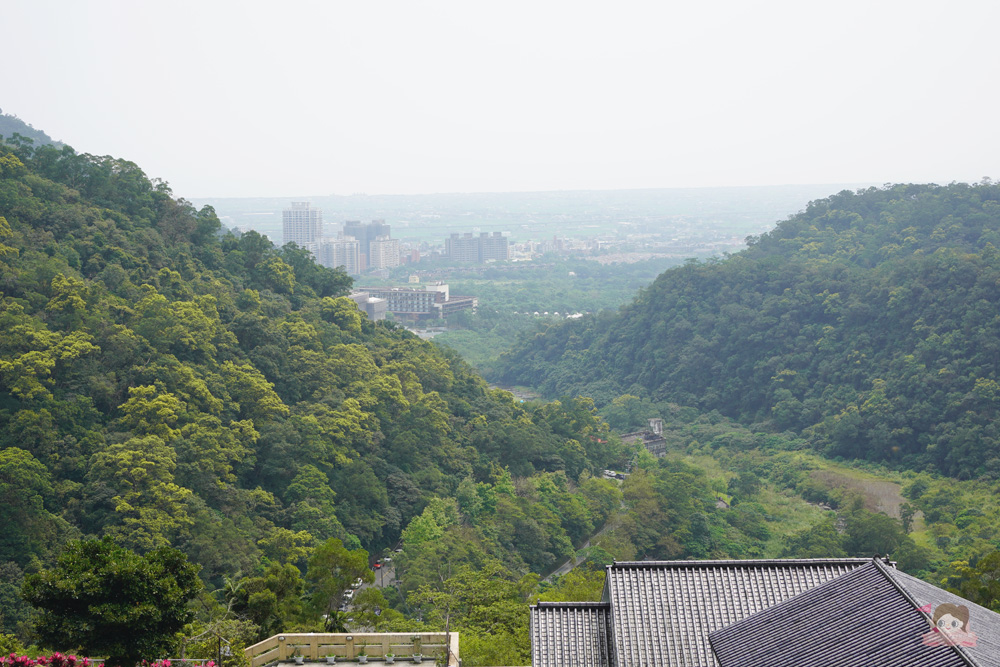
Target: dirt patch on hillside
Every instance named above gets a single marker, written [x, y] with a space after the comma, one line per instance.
[880, 496]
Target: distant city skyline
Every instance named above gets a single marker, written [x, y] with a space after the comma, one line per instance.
[228, 99]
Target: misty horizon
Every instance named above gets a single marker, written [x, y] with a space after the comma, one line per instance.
[234, 100]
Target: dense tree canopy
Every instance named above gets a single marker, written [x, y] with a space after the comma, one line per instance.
[196, 394]
[866, 322]
[164, 382]
[110, 601]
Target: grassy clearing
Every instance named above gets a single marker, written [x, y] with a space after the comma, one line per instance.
[707, 463]
[791, 513]
[787, 512]
[880, 495]
[962, 521]
[882, 491]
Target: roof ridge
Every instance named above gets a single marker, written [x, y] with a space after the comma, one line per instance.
[563, 603]
[899, 586]
[738, 562]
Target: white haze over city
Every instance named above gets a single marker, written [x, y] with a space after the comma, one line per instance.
[243, 99]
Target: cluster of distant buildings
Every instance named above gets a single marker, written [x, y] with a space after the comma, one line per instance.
[360, 247]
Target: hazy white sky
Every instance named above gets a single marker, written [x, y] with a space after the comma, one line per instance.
[291, 98]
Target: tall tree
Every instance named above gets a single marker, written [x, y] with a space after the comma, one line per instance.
[332, 569]
[111, 601]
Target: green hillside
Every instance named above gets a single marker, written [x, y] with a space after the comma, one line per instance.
[867, 323]
[164, 382]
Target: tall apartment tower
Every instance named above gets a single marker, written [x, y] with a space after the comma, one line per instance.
[383, 253]
[464, 248]
[302, 225]
[493, 247]
[365, 234]
[344, 251]
[483, 248]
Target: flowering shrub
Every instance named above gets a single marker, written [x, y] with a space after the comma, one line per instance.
[59, 660]
[55, 660]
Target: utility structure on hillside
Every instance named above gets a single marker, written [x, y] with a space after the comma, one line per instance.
[651, 438]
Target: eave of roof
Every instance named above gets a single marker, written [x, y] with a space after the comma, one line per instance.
[985, 623]
[751, 562]
[663, 611]
[570, 633]
[872, 615]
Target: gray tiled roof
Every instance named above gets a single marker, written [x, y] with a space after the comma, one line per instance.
[663, 611]
[983, 622]
[570, 634]
[856, 620]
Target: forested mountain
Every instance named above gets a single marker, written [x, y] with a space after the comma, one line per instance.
[11, 125]
[867, 323]
[164, 382]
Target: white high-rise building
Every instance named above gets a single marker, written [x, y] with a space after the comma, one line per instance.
[493, 247]
[345, 252]
[483, 248]
[302, 225]
[383, 253]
